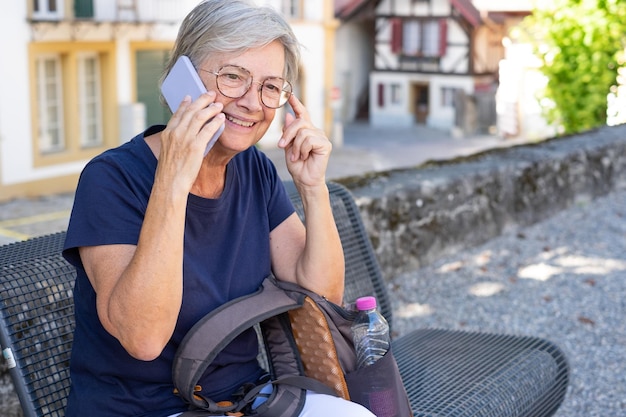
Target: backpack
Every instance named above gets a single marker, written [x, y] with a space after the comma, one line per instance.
[308, 344]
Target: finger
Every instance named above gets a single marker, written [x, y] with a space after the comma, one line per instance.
[182, 107]
[200, 111]
[298, 108]
[212, 131]
[285, 139]
[188, 124]
[304, 150]
[289, 118]
[303, 144]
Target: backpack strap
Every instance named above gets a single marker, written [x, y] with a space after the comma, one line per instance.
[208, 337]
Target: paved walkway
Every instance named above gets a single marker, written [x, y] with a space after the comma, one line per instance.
[364, 149]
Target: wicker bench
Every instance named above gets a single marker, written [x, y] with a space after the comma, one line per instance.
[446, 373]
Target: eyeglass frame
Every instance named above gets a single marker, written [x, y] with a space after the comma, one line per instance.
[252, 81]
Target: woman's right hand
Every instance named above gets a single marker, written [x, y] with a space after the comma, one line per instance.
[185, 138]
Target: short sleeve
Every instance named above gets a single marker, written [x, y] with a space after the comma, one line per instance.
[109, 206]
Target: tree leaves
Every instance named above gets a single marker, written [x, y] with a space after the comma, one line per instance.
[581, 44]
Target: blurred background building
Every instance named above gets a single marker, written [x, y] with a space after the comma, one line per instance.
[80, 76]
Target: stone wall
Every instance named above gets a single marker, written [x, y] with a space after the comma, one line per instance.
[414, 216]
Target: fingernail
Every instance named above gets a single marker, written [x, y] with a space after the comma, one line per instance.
[281, 142]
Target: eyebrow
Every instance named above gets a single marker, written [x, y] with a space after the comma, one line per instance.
[282, 77]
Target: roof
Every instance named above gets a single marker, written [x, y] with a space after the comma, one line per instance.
[347, 9]
[468, 11]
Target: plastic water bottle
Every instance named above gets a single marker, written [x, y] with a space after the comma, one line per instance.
[370, 332]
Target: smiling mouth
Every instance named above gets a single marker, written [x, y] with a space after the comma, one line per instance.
[239, 121]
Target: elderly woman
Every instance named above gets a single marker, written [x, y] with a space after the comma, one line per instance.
[161, 234]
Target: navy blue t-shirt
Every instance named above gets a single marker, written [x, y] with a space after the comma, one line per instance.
[226, 255]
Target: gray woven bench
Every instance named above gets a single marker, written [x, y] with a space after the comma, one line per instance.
[446, 373]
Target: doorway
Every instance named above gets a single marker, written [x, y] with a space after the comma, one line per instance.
[420, 102]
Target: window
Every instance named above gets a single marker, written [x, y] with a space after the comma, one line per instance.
[48, 9]
[396, 94]
[447, 96]
[74, 106]
[411, 38]
[83, 9]
[417, 37]
[50, 102]
[89, 101]
[430, 45]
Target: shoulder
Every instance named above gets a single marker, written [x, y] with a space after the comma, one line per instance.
[131, 152]
[132, 161]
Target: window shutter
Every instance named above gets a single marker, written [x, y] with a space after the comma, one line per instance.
[381, 95]
[83, 9]
[396, 35]
[443, 36]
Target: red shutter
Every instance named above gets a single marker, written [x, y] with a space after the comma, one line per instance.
[443, 36]
[396, 35]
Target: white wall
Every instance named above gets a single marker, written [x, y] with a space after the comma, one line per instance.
[441, 117]
[15, 131]
[392, 114]
[401, 113]
[456, 59]
[353, 62]
[148, 10]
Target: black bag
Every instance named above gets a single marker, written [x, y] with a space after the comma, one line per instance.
[309, 346]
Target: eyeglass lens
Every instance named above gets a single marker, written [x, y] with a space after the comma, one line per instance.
[234, 82]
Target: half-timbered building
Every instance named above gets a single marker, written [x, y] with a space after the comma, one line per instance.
[436, 63]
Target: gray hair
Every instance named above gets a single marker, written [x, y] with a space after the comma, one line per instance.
[233, 26]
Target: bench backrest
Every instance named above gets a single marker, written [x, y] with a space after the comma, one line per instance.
[37, 312]
[36, 305]
[363, 274]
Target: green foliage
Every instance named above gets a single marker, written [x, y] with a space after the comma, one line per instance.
[581, 44]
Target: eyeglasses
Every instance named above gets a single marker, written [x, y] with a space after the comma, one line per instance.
[234, 82]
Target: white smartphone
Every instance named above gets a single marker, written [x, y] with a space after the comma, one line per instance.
[182, 80]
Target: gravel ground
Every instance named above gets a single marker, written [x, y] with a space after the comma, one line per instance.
[563, 279]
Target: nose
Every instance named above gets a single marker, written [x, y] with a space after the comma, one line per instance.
[252, 99]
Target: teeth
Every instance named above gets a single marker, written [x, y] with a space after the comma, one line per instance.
[239, 122]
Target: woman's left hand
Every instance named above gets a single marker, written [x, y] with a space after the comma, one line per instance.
[307, 149]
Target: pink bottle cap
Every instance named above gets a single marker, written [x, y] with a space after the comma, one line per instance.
[366, 303]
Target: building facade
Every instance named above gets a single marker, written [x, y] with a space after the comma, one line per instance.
[82, 77]
[431, 62]
[430, 55]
